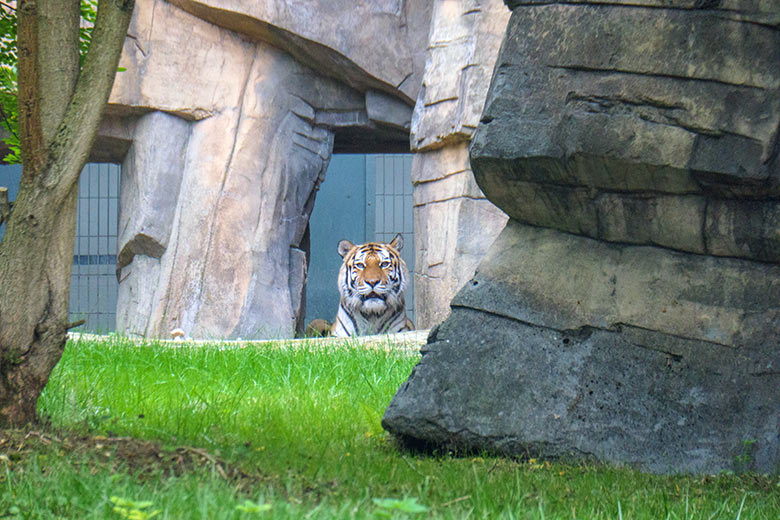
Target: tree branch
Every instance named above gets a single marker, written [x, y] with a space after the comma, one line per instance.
[71, 146]
[75, 324]
[34, 156]
[58, 61]
[7, 6]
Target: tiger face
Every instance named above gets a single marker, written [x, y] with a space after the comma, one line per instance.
[372, 283]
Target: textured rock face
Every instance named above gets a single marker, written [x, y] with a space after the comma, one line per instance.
[629, 311]
[454, 226]
[342, 84]
[518, 388]
[639, 140]
[370, 44]
[454, 223]
[225, 140]
[463, 44]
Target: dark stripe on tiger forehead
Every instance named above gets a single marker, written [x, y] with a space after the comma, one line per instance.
[372, 247]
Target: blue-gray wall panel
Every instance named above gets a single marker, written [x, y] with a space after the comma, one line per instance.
[339, 212]
[10, 177]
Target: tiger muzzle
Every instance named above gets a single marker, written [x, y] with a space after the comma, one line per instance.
[373, 295]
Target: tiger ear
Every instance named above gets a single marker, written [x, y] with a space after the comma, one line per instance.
[344, 247]
[397, 243]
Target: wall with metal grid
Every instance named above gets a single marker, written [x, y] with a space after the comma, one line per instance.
[364, 198]
[93, 286]
[392, 208]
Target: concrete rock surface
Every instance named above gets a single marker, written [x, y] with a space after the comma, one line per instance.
[659, 127]
[629, 311]
[341, 77]
[454, 222]
[567, 347]
[631, 397]
[225, 118]
[454, 225]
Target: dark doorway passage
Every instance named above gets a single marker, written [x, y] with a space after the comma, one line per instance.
[364, 198]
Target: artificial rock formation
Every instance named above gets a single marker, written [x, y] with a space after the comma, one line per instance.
[454, 223]
[225, 119]
[629, 311]
[225, 104]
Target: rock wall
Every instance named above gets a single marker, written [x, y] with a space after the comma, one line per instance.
[251, 107]
[454, 223]
[225, 139]
[629, 311]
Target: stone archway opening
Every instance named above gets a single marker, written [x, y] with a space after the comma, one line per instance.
[220, 173]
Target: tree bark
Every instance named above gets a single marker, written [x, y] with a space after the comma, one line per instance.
[59, 112]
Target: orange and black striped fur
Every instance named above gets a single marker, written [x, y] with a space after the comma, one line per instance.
[372, 284]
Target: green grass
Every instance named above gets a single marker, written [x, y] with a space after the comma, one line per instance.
[274, 432]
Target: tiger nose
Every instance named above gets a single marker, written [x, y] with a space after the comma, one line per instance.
[372, 282]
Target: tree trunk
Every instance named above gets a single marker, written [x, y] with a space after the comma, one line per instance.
[58, 120]
[35, 264]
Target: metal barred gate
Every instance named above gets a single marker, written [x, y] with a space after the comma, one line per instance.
[392, 212]
[93, 286]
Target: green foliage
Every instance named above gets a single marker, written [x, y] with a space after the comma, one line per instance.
[88, 16]
[254, 508]
[745, 460]
[133, 510]
[9, 111]
[9, 119]
[389, 507]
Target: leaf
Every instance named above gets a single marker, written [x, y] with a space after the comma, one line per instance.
[250, 507]
[407, 505]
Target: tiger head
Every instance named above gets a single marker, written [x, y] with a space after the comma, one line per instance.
[373, 277]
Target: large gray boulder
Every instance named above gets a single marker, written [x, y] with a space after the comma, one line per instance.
[648, 126]
[564, 346]
[629, 311]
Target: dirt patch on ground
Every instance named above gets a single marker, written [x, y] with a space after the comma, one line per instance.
[141, 458]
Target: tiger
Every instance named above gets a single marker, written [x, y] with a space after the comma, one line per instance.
[372, 284]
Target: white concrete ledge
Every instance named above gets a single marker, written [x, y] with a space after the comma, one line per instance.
[407, 341]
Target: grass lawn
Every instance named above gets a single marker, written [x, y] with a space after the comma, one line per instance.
[275, 431]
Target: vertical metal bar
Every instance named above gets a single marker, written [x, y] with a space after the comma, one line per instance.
[380, 201]
[398, 194]
[389, 191]
[98, 266]
[83, 241]
[370, 171]
[76, 268]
